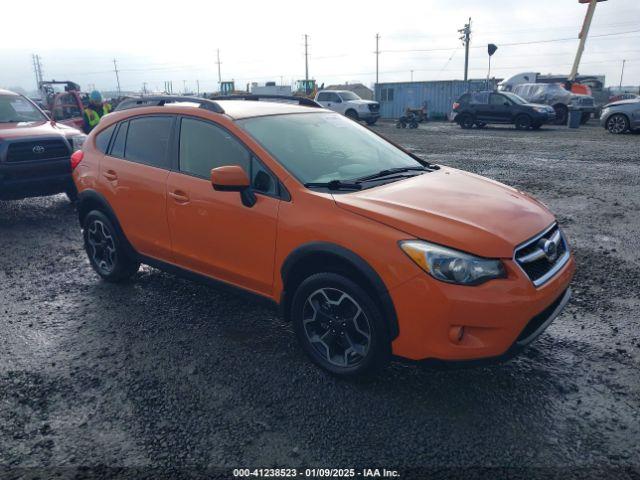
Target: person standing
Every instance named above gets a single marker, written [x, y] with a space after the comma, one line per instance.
[95, 111]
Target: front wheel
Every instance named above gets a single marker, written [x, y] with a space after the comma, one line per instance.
[105, 249]
[562, 114]
[372, 122]
[339, 325]
[523, 122]
[352, 114]
[617, 124]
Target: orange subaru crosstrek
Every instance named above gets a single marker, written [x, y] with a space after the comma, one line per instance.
[369, 250]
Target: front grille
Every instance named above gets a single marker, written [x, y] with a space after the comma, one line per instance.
[543, 256]
[586, 102]
[37, 150]
[374, 107]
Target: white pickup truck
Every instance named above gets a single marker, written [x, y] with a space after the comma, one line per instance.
[350, 105]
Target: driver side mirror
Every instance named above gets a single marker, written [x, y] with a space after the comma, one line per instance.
[233, 178]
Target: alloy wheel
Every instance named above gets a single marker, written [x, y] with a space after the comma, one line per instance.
[102, 247]
[617, 124]
[336, 327]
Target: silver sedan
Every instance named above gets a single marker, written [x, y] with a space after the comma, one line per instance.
[620, 117]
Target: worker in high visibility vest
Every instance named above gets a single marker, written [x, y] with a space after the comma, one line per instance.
[95, 111]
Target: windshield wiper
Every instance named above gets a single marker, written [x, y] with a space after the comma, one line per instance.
[389, 171]
[334, 185]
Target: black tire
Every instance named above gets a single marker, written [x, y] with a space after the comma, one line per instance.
[523, 122]
[413, 125]
[372, 122]
[465, 121]
[481, 125]
[346, 347]
[562, 114]
[105, 249]
[617, 124]
[352, 114]
[585, 118]
[536, 126]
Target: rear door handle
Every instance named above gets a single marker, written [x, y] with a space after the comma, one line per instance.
[179, 196]
[110, 175]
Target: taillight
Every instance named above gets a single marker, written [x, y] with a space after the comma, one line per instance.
[76, 158]
[456, 105]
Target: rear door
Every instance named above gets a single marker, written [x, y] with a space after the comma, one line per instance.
[479, 105]
[212, 232]
[133, 177]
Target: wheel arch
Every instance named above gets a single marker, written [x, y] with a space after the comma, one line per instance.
[318, 257]
[89, 200]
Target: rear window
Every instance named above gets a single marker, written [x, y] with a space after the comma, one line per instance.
[148, 141]
[117, 148]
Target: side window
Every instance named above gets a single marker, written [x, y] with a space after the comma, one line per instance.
[495, 99]
[261, 180]
[148, 141]
[464, 99]
[323, 97]
[103, 138]
[117, 147]
[334, 97]
[204, 146]
[480, 98]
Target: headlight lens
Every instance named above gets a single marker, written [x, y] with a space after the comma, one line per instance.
[77, 142]
[452, 266]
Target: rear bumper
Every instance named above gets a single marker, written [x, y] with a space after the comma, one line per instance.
[34, 179]
[499, 317]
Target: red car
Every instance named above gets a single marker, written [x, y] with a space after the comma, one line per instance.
[35, 152]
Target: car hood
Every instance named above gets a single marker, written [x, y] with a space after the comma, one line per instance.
[454, 208]
[10, 131]
[632, 101]
[540, 105]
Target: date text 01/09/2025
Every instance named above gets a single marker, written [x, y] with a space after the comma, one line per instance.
[315, 473]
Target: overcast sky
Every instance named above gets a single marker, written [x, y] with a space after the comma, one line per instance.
[258, 40]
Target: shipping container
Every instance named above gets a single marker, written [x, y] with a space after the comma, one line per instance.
[437, 96]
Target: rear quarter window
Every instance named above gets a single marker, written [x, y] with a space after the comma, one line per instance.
[103, 138]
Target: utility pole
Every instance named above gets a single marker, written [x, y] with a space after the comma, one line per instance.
[622, 73]
[377, 52]
[306, 59]
[466, 39]
[198, 86]
[115, 69]
[412, 75]
[219, 71]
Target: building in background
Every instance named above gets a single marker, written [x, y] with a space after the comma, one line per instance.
[270, 88]
[436, 96]
[359, 89]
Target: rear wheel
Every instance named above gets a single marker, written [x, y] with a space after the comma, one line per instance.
[352, 114]
[618, 123]
[106, 249]
[536, 126]
[72, 194]
[585, 118]
[339, 325]
[523, 122]
[562, 114]
[481, 124]
[465, 121]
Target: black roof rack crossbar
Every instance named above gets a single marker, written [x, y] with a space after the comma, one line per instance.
[307, 102]
[161, 100]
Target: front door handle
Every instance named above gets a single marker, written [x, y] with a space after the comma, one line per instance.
[110, 175]
[179, 196]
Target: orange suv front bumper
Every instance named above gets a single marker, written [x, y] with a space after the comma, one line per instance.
[441, 321]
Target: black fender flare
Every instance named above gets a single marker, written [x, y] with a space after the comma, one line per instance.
[92, 200]
[354, 261]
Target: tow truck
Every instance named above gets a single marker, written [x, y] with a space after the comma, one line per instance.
[64, 105]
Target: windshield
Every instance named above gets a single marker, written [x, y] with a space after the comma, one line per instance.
[349, 96]
[321, 147]
[16, 109]
[514, 98]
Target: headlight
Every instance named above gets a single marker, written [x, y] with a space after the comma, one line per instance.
[540, 109]
[77, 142]
[452, 266]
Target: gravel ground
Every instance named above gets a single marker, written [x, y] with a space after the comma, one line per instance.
[168, 374]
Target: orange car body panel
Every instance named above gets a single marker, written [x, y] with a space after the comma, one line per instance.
[214, 234]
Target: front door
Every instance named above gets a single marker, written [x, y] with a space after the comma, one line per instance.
[500, 108]
[212, 232]
[133, 177]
